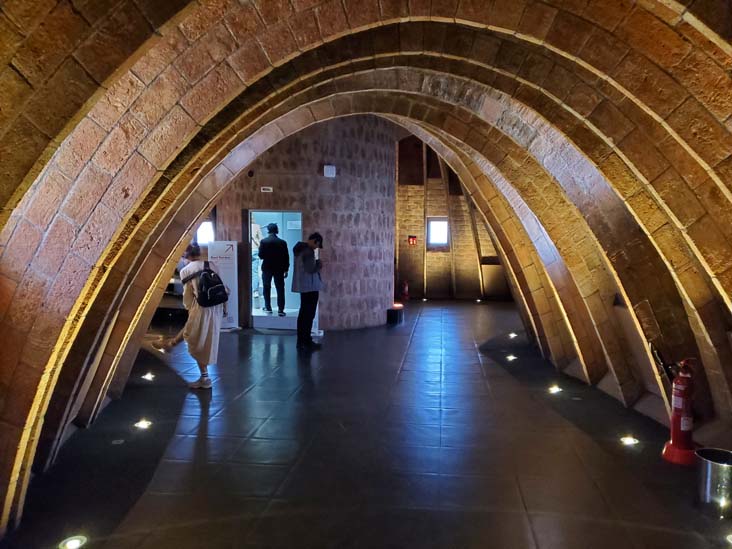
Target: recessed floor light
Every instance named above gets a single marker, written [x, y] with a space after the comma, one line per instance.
[629, 441]
[729, 539]
[143, 424]
[511, 358]
[149, 376]
[118, 441]
[554, 389]
[73, 542]
[477, 300]
[512, 335]
[424, 299]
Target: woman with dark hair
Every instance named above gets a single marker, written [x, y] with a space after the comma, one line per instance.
[203, 327]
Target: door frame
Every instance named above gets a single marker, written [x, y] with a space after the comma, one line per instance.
[245, 258]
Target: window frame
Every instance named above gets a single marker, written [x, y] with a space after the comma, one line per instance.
[441, 247]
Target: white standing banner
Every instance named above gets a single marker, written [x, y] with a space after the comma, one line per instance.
[223, 254]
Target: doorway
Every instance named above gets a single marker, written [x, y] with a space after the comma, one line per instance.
[289, 224]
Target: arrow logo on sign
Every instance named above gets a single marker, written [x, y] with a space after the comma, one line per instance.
[229, 248]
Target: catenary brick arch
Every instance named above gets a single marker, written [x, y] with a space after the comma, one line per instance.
[47, 43]
[148, 281]
[139, 140]
[271, 134]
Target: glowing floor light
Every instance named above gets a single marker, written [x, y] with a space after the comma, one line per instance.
[477, 300]
[149, 376]
[424, 299]
[73, 542]
[512, 335]
[511, 358]
[629, 440]
[729, 539]
[143, 424]
[554, 389]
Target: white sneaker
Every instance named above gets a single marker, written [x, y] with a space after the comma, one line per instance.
[201, 383]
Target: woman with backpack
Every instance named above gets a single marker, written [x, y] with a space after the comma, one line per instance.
[204, 296]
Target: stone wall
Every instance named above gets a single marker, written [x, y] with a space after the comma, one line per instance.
[354, 212]
[464, 250]
[453, 271]
[410, 222]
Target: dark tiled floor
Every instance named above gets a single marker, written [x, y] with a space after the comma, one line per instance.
[415, 436]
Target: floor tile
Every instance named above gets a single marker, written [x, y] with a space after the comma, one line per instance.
[268, 452]
[553, 532]
[415, 436]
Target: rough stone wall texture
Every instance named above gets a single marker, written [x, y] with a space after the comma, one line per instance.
[410, 221]
[438, 262]
[487, 248]
[449, 272]
[354, 212]
[464, 251]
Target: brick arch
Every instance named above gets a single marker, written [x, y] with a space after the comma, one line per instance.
[584, 300]
[696, 35]
[289, 123]
[126, 129]
[76, 268]
[249, 153]
[468, 137]
[199, 197]
[155, 275]
[692, 277]
[521, 254]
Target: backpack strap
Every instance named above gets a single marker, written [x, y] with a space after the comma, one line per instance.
[206, 267]
[190, 277]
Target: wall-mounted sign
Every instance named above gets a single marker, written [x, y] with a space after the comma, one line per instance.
[223, 254]
[412, 240]
[266, 189]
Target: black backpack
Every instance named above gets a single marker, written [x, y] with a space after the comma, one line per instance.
[211, 290]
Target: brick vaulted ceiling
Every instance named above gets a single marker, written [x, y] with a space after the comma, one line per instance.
[593, 136]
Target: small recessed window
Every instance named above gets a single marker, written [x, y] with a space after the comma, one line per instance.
[437, 233]
[205, 233]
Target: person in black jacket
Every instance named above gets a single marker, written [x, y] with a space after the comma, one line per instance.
[275, 265]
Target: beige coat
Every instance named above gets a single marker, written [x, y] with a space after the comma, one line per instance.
[203, 327]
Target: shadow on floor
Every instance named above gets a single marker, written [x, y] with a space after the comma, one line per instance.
[604, 420]
[102, 472]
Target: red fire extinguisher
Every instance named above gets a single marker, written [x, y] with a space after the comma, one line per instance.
[404, 291]
[680, 449]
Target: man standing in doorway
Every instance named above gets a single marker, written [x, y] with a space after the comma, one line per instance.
[306, 281]
[275, 264]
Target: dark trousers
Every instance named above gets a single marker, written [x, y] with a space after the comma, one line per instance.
[308, 304]
[279, 280]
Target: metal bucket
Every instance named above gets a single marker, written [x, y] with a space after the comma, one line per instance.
[715, 481]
